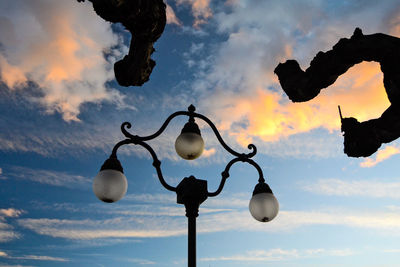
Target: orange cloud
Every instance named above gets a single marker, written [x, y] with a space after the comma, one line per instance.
[208, 152]
[12, 76]
[171, 17]
[200, 8]
[271, 116]
[382, 155]
[10, 212]
[394, 25]
[60, 48]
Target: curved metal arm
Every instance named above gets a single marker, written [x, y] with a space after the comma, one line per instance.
[156, 161]
[225, 173]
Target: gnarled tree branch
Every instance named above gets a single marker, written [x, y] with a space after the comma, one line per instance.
[145, 20]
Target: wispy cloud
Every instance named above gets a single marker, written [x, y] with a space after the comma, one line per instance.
[7, 232]
[50, 177]
[151, 221]
[150, 227]
[32, 257]
[55, 138]
[370, 189]
[279, 254]
[141, 261]
[60, 47]
[119, 227]
[381, 155]
[3, 265]
[7, 235]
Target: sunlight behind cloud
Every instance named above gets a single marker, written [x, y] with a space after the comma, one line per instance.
[270, 116]
[60, 46]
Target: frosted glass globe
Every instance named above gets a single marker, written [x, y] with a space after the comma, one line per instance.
[189, 145]
[264, 207]
[110, 185]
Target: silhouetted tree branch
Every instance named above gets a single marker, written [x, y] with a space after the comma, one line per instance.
[145, 20]
[361, 139]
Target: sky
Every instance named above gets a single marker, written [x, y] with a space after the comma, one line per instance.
[61, 111]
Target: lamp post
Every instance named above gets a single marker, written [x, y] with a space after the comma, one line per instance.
[110, 184]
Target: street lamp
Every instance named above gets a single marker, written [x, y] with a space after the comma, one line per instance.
[110, 184]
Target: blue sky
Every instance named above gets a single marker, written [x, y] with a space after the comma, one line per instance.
[61, 109]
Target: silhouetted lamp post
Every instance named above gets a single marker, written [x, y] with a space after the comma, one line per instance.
[110, 184]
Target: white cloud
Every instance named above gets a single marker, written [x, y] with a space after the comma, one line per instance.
[56, 139]
[32, 257]
[286, 221]
[152, 198]
[2, 177]
[279, 254]
[6, 230]
[7, 235]
[60, 47]
[141, 261]
[371, 189]
[392, 250]
[148, 222]
[119, 227]
[50, 177]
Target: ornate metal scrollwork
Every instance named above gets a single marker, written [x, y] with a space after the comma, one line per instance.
[140, 140]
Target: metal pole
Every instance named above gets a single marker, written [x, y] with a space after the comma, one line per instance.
[192, 241]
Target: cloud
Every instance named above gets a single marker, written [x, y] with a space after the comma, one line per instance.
[161, 226]
[32, 257]
[6, 230]
[50, 177]
[119, 227]
[141, 261]
[55, 138]
[60, 47]
[381, 155]
[171, 17]
[8, 235]
[370, 189]
[279, 254]
[200, 9]
[10, 212]
[155, 217]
